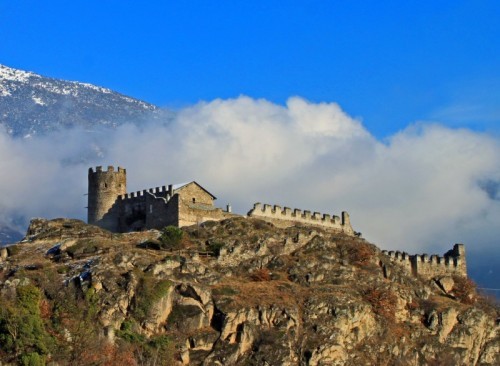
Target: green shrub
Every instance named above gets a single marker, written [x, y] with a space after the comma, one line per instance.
[32, 359]
[160, 342]
[128, 333]
[21, 326]
[215, 247]
[155, 350]
[171, 237]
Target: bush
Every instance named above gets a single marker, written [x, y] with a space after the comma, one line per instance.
[32, 359]
[171, 238]
[21, 327]
[383, 302]
[128, 333]
[464, 289]
[358, 254]
[262, 274]
[215, 247]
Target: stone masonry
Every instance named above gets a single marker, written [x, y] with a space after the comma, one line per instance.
[287, 217]
[451, 263]
[110, 207]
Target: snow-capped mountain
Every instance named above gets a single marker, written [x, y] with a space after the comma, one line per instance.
[31, 104]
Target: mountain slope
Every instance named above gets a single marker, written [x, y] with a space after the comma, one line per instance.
[235, 292]
[31, 104]
[9, 235]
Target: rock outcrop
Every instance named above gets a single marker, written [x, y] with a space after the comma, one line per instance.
[242, 292]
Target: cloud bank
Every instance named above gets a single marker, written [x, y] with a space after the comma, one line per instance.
[422, 189]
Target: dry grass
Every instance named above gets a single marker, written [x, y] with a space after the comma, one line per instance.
[383, 302]
[464, 289]
[262, 274]
[267, 293]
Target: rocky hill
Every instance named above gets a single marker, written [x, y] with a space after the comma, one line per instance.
[31, 104]
[236, 292]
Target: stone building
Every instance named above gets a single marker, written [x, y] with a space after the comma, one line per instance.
[110, 207]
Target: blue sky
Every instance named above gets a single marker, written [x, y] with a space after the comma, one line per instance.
[389, 63]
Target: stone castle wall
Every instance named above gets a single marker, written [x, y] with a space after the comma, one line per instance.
[191, 194]
[452, 263]
[104, 187]
[111, 208]
[285, 217]
[194, 213]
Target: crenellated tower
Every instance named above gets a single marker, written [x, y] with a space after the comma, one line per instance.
[104, 189]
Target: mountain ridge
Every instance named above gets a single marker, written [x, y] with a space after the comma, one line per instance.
[32, 104]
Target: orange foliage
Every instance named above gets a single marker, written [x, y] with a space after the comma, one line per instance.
[383, 302]
[464, 290]
[262, 274]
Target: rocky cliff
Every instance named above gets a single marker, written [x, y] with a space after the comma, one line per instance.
[236, 292]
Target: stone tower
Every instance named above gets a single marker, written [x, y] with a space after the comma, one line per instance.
[104, 189]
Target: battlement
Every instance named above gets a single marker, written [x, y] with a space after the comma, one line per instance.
[110, 169]
[287, 217]
[430, 266]
[162, 192]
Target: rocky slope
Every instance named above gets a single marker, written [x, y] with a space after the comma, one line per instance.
[31, 104]
[238, 292]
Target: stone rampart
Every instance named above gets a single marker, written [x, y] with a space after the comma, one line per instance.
[157, 191]
[452, 263]
[284, 217]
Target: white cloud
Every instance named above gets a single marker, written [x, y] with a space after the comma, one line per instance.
[420, 189]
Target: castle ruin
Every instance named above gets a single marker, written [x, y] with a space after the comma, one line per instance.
[287, 217]
[110, 207]
[451, 263]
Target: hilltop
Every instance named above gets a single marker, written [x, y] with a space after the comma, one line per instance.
[236, 292]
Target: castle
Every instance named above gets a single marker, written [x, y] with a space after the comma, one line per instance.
[110, 207]
[451, 263]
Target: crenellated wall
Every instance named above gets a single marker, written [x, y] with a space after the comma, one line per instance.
[112, 208]
[162, 191]
[284, 217]
[451, 263]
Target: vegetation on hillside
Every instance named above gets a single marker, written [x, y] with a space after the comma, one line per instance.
[240, 290]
